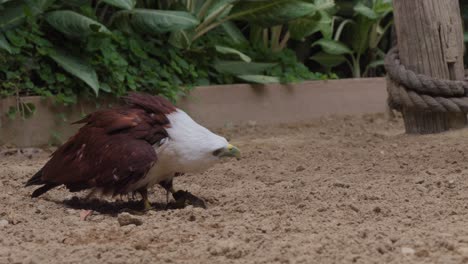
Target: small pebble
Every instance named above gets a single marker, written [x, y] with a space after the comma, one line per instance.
[141, 245]
[128, 219]
[341, 185]
[407, 251]
[252, 123]
[421, 188]
[40, 208]
[463, 251]
[354, 208]
[422, 253]
[419, 181]
[451, 184]
[300, 168]
[3, 223]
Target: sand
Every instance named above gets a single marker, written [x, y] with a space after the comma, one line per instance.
[334, 190]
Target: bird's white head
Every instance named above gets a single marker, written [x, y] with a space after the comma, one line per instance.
[195, 147]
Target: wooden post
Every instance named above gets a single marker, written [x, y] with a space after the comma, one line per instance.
[430, 41]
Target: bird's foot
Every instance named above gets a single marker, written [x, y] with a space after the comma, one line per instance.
[84, 214]
[184, 198]
[146, 205]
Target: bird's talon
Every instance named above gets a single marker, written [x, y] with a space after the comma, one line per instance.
[184, 198]
[147, 206]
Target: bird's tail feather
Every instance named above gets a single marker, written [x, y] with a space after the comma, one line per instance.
[43, 189]
[36, 179]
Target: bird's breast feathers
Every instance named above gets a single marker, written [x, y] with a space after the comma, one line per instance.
[188, 149]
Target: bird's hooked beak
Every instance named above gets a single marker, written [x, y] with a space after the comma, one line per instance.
[230, 151]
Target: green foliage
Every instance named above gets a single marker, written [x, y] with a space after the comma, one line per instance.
[78, 67]
[319, 21]
[124, 4]
[271, 13]
[69, 50]
[356, 39]
[157, 21]
[73, 24]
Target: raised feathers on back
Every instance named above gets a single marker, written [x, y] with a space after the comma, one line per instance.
[112, 150]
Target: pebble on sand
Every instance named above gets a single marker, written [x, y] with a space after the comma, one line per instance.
[407, 251]
[128, 219]
[3, 223]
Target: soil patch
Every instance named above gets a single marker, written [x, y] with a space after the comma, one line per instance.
[334, 190]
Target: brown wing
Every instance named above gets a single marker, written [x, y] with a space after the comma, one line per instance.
[112, 150]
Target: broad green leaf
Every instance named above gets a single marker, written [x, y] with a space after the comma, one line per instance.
[321, 21]
[262, 79]
[325, 24]
[270, 13]
[324, 4]
[227, 50]
[332, 47]
[160, 21]
[219, 9]
[241, 67]
[181, 39]
[375, 63]
[78, 67]
[105, 87]
[4, 44]
[12, 15]
[360, 34]
[361, 9]
[465, 36]
[234, 33]
[304, 26]
[74, 25]
[39, 6]
[328, 60]
[124, 4]
[382, 8]
[14, 12]
[123, 23]
[77, 3]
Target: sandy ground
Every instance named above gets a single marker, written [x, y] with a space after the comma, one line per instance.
[335, 190]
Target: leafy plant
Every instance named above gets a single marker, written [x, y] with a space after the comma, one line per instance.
[77, 49]
[364, 33]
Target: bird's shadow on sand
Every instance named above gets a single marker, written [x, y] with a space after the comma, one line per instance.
[113, 208]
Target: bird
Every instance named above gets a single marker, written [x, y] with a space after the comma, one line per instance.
[130, 148]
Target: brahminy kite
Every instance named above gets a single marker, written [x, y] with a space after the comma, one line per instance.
[131, 148]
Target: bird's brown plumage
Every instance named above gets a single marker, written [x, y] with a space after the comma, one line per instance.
[112, 150]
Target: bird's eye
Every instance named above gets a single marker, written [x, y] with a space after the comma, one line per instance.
[217, 152]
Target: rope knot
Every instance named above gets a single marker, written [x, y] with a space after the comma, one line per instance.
[417, 91]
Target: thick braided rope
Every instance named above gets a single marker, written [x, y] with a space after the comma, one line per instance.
[422, 92]
[419, 82]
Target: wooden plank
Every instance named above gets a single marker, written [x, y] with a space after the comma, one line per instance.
[215, 106]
